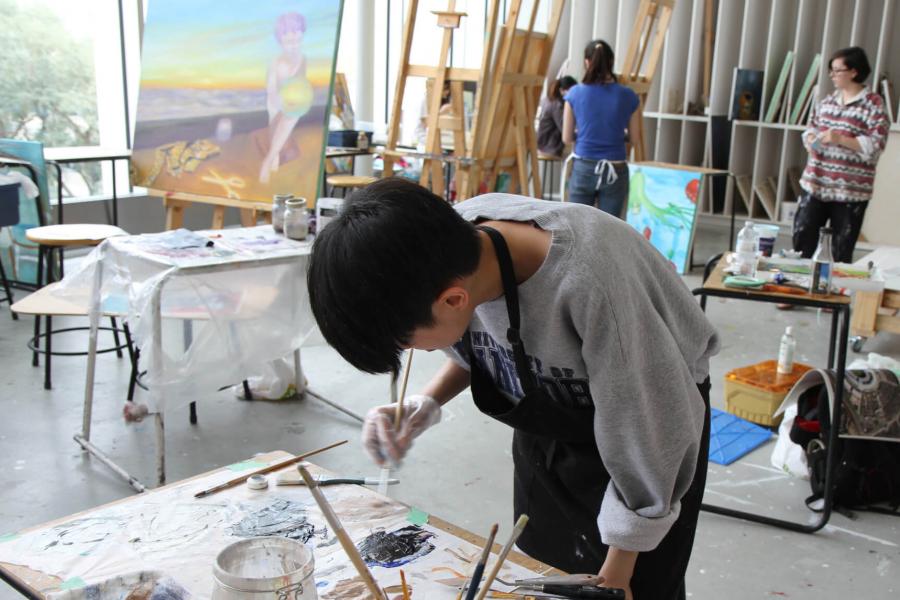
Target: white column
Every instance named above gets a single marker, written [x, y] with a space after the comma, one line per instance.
[363, 99]
[581, 30]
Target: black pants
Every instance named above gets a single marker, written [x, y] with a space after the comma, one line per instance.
[846, 221]
[564, 501]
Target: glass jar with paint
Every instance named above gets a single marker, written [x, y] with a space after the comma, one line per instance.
[264, 567]
[296, 219]
[278, 206]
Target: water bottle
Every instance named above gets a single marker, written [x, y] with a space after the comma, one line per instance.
[822, 264]
[747, 250]
[786, 351]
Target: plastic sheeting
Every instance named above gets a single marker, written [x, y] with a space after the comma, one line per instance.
[207, 309]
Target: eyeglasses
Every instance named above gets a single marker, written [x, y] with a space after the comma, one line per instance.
[833, 71]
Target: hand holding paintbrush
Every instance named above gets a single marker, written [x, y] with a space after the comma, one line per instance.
[398, 419]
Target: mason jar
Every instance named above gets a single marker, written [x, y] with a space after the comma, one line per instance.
[296, 219]
[278, 205]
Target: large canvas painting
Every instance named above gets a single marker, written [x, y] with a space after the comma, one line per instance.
[19, 256]
[662, 205]
[234, 96]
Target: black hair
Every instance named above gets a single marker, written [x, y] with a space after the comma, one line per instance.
[376, 270]
[854, 58]
[554, 91]
[600, 59]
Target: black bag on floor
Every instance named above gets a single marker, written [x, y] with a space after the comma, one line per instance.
[868, 452]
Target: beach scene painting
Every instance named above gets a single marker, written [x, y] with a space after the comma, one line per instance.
[662, 206]
[234, 97]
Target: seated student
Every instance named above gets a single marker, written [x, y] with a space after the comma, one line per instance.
[568, 326]
[550, 123]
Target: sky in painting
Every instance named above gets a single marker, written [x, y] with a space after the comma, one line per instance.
[230, 44]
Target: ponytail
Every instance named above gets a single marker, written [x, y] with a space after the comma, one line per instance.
[600, 59]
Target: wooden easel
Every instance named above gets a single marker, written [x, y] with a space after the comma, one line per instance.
[647, 38]
[502, 137]
[176, 202]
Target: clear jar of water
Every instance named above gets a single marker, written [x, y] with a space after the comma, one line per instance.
[296, 219]
[278, 206]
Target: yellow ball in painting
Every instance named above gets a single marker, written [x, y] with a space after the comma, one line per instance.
[296, 97]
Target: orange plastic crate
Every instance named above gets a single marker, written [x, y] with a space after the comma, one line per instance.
[755, 392]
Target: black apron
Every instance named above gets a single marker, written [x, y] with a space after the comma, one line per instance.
[560, 479]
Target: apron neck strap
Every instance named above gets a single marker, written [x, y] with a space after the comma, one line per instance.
[511, 294]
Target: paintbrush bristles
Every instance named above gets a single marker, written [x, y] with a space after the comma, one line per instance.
[398, 416]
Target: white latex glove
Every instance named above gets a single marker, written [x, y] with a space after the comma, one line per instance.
[387, 446]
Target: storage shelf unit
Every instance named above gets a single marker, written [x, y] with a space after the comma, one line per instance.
[749, 34]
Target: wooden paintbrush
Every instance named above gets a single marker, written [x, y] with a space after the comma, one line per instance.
[403, 585]
[479, 567]
[398, 417]
[280, 465]
[516, 532]
[342, 536]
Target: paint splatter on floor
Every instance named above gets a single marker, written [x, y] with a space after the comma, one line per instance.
[348, 589]
[396, 548]
[281, 518]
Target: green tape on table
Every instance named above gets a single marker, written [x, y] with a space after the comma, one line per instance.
[8, 537]
[743, 281]
[417, 517]
[247, 465]
[72, 583]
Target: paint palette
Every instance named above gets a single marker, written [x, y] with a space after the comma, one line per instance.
[732, 437]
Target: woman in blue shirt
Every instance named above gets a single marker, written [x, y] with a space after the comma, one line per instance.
[601, 110]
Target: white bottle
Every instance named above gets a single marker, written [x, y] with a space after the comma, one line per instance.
[786, 352]
[747, 250]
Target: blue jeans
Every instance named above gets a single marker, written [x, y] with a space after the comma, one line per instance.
[583, 188]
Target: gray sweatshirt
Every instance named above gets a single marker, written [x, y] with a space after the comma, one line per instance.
[608, 320]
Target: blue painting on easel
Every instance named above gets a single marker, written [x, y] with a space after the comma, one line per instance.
[662, 206]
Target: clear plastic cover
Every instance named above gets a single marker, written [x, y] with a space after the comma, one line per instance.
[206, 309]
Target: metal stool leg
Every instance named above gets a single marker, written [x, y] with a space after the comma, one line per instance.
[115, 332]
[37, 318]
[7, 291]
[48, 324]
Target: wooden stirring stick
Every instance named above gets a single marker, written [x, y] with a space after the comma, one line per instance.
[280, 465]
[516, 532]
[342, 535]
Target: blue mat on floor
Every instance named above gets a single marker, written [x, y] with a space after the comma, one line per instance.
[732, 437]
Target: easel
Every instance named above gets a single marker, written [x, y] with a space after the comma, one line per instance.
[176, 202]
[509, 87]
[649, 33]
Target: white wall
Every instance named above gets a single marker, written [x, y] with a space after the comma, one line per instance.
[882, 224]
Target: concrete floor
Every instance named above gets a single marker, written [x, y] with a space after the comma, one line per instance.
[460, 471]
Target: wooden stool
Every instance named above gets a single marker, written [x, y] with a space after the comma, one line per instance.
[51, 241]
[346, 182]
[548, 160]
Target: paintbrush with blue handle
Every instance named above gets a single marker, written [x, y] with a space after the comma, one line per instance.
[482, 561]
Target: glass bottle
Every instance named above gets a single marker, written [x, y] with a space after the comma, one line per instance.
[296, 219]
[747, 250]
[278, 205]
[822, 264]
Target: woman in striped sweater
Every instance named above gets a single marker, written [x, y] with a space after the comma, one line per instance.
[844, 138]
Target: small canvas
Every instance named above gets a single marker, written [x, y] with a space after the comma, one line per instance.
[746, 94]
[780, 86]
[662, 206]
[234, 96]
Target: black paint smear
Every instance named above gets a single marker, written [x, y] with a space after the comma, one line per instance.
[396, 548]
[281, 518]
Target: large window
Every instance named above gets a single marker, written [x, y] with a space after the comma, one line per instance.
[63, 83]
